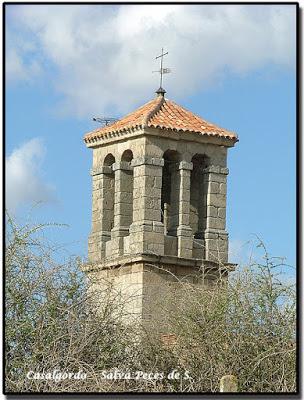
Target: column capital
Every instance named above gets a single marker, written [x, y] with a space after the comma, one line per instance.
[182, 165]
[145, 160]
[185, 165]
[101, 170]
[122, 165]
[216, 169]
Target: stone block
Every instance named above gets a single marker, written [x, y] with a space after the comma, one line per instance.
[198, 248]
[151, 192]
[212, 211]
[122, 185]
[184, 230]
[223, 188]
[214, 187]
[215, 223]
[138, 215]
[184, 218]
[148, 182]
[212, 169]
[170, 245]
[96, 225]
[122, 165]
[153, 170]
[137, 193]
[152, 202]
[184, 246]
[216, 178]
[185, 165]
[146, 160]
[216, 200]
[107, 204]
[101, 170]
[117, 246]
[158, 227]
[126, 197]
[152, 214]
[222, 213]
[224, 171]
[108, 249]
[96, 184]
[139, 182]
[216, 245]
[150, 242]
[120, 231]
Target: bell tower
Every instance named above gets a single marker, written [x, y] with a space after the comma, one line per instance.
[158, 203]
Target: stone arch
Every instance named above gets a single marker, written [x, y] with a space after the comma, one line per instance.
[109, 160]
[127, 156]
[108, 194]
[198, 195]
[170, 192]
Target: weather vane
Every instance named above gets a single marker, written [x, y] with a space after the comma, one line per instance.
[162, 70]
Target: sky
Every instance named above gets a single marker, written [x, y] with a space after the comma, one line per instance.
[234, 65]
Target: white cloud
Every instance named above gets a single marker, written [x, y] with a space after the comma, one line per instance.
[14, 66]
[24, 183]
[21, 60]
[104, 54]
[18, 70]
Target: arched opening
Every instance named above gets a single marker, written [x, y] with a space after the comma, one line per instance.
[108, 194]
[109, 160]
[127, 156]
[198, 195]
[126, 195]
[170, 192]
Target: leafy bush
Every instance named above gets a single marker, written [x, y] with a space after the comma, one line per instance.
[245, 327]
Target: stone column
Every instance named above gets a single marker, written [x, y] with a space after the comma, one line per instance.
[102, 211]
[147, 230]
[184, 231]
[122, 206]
[216, 237]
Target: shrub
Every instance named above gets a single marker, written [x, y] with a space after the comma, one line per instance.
[244, 327]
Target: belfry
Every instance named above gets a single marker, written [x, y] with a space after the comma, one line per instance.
[159, 202]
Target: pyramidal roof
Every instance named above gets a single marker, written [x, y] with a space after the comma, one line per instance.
[164, 114]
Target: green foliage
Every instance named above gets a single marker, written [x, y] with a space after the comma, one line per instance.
[244, 326]
[49, 321]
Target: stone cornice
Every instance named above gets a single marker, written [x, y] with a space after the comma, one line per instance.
[122, 165]
[101, 170]
[216, 169]
[122, 261]
[114, 136]
[140, 130]
[145, 160]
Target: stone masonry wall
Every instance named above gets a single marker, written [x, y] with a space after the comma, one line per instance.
[138, 221]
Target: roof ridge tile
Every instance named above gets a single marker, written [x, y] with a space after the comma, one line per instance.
[153, 111]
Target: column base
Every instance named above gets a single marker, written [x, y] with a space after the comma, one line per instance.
[147, 237]
[97, 245]
[184, 241]
[216, 245]
[116, 246]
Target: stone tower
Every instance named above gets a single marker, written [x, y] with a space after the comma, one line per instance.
[159, 202]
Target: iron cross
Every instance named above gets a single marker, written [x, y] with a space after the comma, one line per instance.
[162, 70]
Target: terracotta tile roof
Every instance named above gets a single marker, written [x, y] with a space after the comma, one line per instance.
[165, 114]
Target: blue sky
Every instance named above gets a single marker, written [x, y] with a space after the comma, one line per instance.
[232, 65]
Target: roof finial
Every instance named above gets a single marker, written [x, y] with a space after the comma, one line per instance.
[162, 71]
